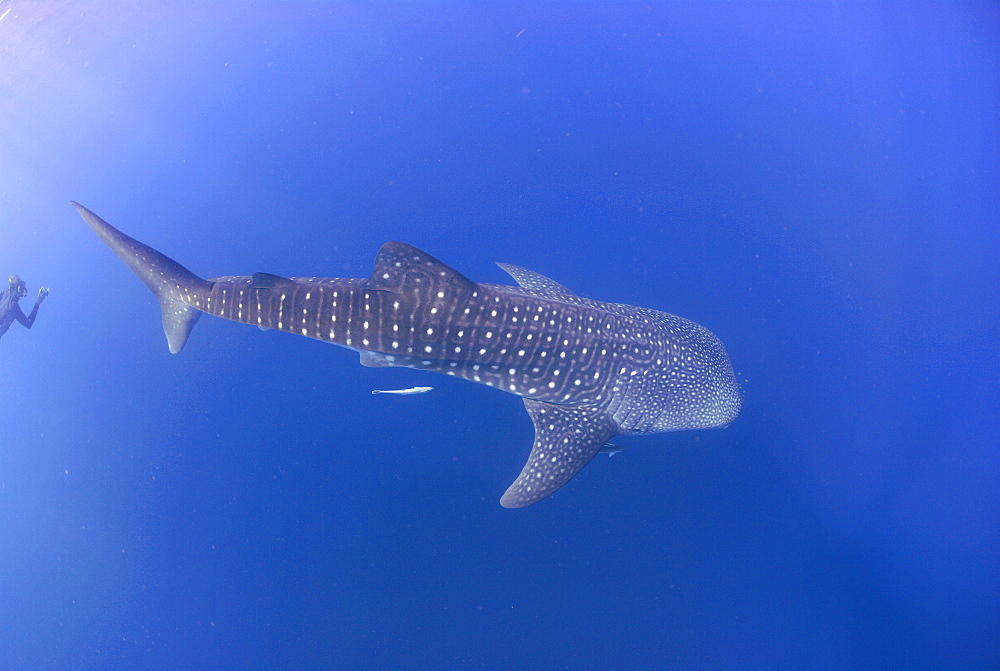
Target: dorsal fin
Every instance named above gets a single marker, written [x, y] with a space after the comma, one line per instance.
[529, 279]
[402, 268]
[269, 281]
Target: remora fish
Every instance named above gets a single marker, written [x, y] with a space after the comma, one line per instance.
[586, 370]
[404, 392]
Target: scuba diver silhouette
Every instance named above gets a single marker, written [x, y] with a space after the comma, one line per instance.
[10, 310]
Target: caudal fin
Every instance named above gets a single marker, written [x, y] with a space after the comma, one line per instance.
[168, 280]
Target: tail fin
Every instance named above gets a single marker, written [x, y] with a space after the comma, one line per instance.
[166, 278]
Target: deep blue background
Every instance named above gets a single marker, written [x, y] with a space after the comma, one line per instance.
[818, 183]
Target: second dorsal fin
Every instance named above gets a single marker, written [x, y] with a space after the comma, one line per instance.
[269, 281]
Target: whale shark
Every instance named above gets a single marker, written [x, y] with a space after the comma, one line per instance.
[585, 370]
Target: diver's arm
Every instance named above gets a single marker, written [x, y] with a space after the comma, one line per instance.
[30, 319]
[26, 322]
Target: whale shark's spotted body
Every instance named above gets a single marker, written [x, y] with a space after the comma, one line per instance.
[586, 370]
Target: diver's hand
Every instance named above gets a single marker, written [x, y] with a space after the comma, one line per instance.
[42, 293]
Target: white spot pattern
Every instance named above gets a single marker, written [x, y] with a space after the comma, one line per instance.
[627, 369]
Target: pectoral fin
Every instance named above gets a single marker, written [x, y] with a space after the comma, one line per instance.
[529, 279]
[566, 438]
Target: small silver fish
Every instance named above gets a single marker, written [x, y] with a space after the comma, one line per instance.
[611, 449]
[403, 392]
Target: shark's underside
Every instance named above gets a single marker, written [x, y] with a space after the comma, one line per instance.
[586, 370]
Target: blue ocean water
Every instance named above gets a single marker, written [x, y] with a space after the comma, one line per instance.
[818, 183]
